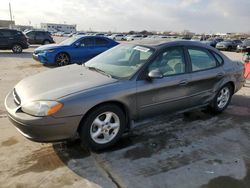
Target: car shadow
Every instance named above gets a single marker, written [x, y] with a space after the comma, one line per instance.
[10, 54]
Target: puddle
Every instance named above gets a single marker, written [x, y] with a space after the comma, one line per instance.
[229, 182]
[11, 141]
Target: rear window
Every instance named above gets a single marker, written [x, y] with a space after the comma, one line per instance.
[246, 42]
[218, 58]
[100, 41]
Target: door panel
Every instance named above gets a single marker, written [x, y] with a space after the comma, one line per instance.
[165, 95]
[205, 75]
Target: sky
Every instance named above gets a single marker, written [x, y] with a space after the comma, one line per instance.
[125, 15]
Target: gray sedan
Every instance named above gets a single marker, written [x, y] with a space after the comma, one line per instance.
[99, 100]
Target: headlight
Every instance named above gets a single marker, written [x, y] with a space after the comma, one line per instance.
[49, 51]
[41, 108]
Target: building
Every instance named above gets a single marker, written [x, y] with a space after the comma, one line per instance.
[7, 23]
[51, 27]
[23, 27]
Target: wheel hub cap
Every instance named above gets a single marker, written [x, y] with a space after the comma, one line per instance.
[105, 127]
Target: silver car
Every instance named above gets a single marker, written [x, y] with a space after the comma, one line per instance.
[99, 100]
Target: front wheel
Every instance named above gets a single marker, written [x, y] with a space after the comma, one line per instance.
[17, 48]
[62, 59]
[222, 99]
[103, 127]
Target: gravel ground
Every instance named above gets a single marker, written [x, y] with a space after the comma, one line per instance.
[195, 150]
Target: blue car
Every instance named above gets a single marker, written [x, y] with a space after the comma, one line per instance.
[77, 49]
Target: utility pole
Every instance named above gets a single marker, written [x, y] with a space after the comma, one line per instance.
[10, 15]
[10, 11]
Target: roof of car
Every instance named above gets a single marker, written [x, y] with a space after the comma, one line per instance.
[159, 43]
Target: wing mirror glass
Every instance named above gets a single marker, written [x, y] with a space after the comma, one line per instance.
[155, 74]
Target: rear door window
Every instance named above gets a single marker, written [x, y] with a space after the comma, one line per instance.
[87, 42]
[201, 59]
[101, 42]
[6, 33]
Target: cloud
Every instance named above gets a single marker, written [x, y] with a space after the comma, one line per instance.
[162, 15]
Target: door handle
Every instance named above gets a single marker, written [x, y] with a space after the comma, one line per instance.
[221, 74]
[183, 82]
[11, 38]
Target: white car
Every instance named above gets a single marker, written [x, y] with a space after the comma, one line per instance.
[117, 37]
[134, 37]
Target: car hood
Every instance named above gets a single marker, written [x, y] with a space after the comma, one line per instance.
[224, 43]
[59, 82]
[48, 47]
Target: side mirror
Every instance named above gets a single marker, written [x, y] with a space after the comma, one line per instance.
[77, 44]
[155, 74]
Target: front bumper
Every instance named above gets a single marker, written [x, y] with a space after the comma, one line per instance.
[44, 58]
[41, 129]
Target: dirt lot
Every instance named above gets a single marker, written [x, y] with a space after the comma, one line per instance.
[196, 150]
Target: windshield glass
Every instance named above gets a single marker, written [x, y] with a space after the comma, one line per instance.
[69, 41]
[121, 61]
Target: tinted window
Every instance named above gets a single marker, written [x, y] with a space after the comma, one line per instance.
[170, 62]
[218, 58]
[30, 34]
[100, 41]
[201, 59]
[246, 42]
[87, 42]
[6, 33]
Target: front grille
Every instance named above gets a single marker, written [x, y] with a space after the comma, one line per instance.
[16, 97]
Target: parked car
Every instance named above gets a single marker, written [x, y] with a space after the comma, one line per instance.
[242, 47]
[39, 37]
[117, 37]
[228, 45]
[14, 40]
[130, 82]
[134, 37]
[77, 49]
[211, 42]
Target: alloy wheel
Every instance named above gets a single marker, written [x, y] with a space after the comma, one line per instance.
[223, 97]
[105, 127]
[62, 59]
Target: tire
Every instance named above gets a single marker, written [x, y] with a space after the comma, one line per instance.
[230, 48]
[222, 99]
[62, 59]
[110, 123]
[46, 42]
[17, 48]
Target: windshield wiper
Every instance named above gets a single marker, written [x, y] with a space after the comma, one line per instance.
[99, 70]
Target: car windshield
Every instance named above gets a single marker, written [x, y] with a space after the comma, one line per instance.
[121, 61]
[69, 41]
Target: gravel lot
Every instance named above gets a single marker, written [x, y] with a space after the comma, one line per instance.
[195, 150]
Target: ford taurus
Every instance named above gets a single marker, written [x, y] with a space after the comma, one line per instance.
[99, 100]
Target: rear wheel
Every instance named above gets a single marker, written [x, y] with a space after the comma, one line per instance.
[62, 59]
[103, 127]
[17, 48]
[222, 99]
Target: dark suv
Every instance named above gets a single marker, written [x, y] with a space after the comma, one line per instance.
[14, 40]
[39, 37]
